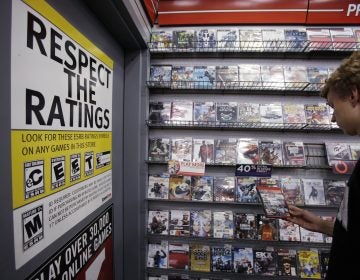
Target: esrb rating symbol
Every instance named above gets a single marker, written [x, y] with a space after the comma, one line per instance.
[89, 163]
[75, 171]
[57, 172]
[34, 178]
[33, 230]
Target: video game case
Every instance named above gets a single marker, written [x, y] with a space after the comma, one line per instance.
[267, 228]
[161, 41]
[179, 224]
[272, 77]
[250, 76]
[249, 114]
[179, 256]
[337, 152]
[317, 115]
[159, 149]
[184, 40]
[324, 257]
[201, 223]
[160, 75]
[227, 39]
[158, 186]
[200, 259]
[245, 226]
[328, 238]
[309, 265]
[159, 112]
[223, 224]
[294, 154]
[343, 38]
[224, 188]
[265, 262]
[317, 77]
[204, 77]
[313, 191]
[227, 77]
[204, 112]
[246, 190]
[226, 112]
[311, 236]
[286, 262]
[271, 113]
[295, 77]
[225, 151]
[202, 188]
[293, 114]
[179, 187]
[247, 151]
[271, 152]
[157, 255]
[158, 222]
[288, 231]
[295, 39]
[203, 150]
[181, 111]
[334, 191]
[355, 151]
[273, 201]
[273, 40]
[206, 39]
[182, 77]
[293, 191]
[251, 40]
[181, 149]
[243, 260]
[222, 258]
[319, 39]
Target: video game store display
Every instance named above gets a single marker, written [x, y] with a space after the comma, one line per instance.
[236, 98]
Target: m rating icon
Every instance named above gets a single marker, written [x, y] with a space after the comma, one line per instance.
[57, 172]
[89, 163]
[34, 178]
[75, 170]
[33, 230]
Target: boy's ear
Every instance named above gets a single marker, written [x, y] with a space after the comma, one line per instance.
[355, 96]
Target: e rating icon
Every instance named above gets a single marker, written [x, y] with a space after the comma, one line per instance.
[34, 178]
[75, 170]
[57, 172]
[33, 226]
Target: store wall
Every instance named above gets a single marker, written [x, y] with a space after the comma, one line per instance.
[123, 40]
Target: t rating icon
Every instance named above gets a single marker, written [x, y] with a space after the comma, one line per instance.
[33, 230]
[75, 170]
[34, 178]
[57, 172]
[89, 163]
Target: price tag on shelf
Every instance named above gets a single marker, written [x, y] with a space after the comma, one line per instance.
[253, 170]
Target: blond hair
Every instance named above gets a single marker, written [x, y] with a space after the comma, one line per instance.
[345, 78]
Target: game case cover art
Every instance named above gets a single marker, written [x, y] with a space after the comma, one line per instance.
[292, 191]
[158, 222]
[272, 77]
[158, 186]
[294, 153]
[251, 40]
[184, 40]
[250, 76]
[309, 265]
[249, 114]
[343, 38]
[293, 114]
[271, 114]
[179, 224]
[182, 77]
[295, 39]
[180, 187]
[203, 150]
[313, 191]
[225, 151]
[287, 263]
[159, 112]
[160, 75]
[204, 77]
[200, 258]
[273, 39]
[224, 188]
[296, 77]
[243, 260]
[227, 39]
[334, 191]
[204, 112]
[336, 152]
[319, 38]
[311, 236]
[288, 231]
[246, 190]
[206, 39]
[317, 76]
[223, 224]
[265, 262]
[158, 255]
[245, 226]
[159, 149]
[227, 76]
[181, 149]
[271, 152]
[202, 188]
[201, 223]
[179, 256]
[222, 259]
[161, 40]
[181, 111]
[317, 115]
[273, 201]
[247, 151]
[226, 112]
[267, 228]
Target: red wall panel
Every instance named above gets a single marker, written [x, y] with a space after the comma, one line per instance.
[151, 7]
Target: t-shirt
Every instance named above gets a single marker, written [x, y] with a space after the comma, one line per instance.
[344, 260]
